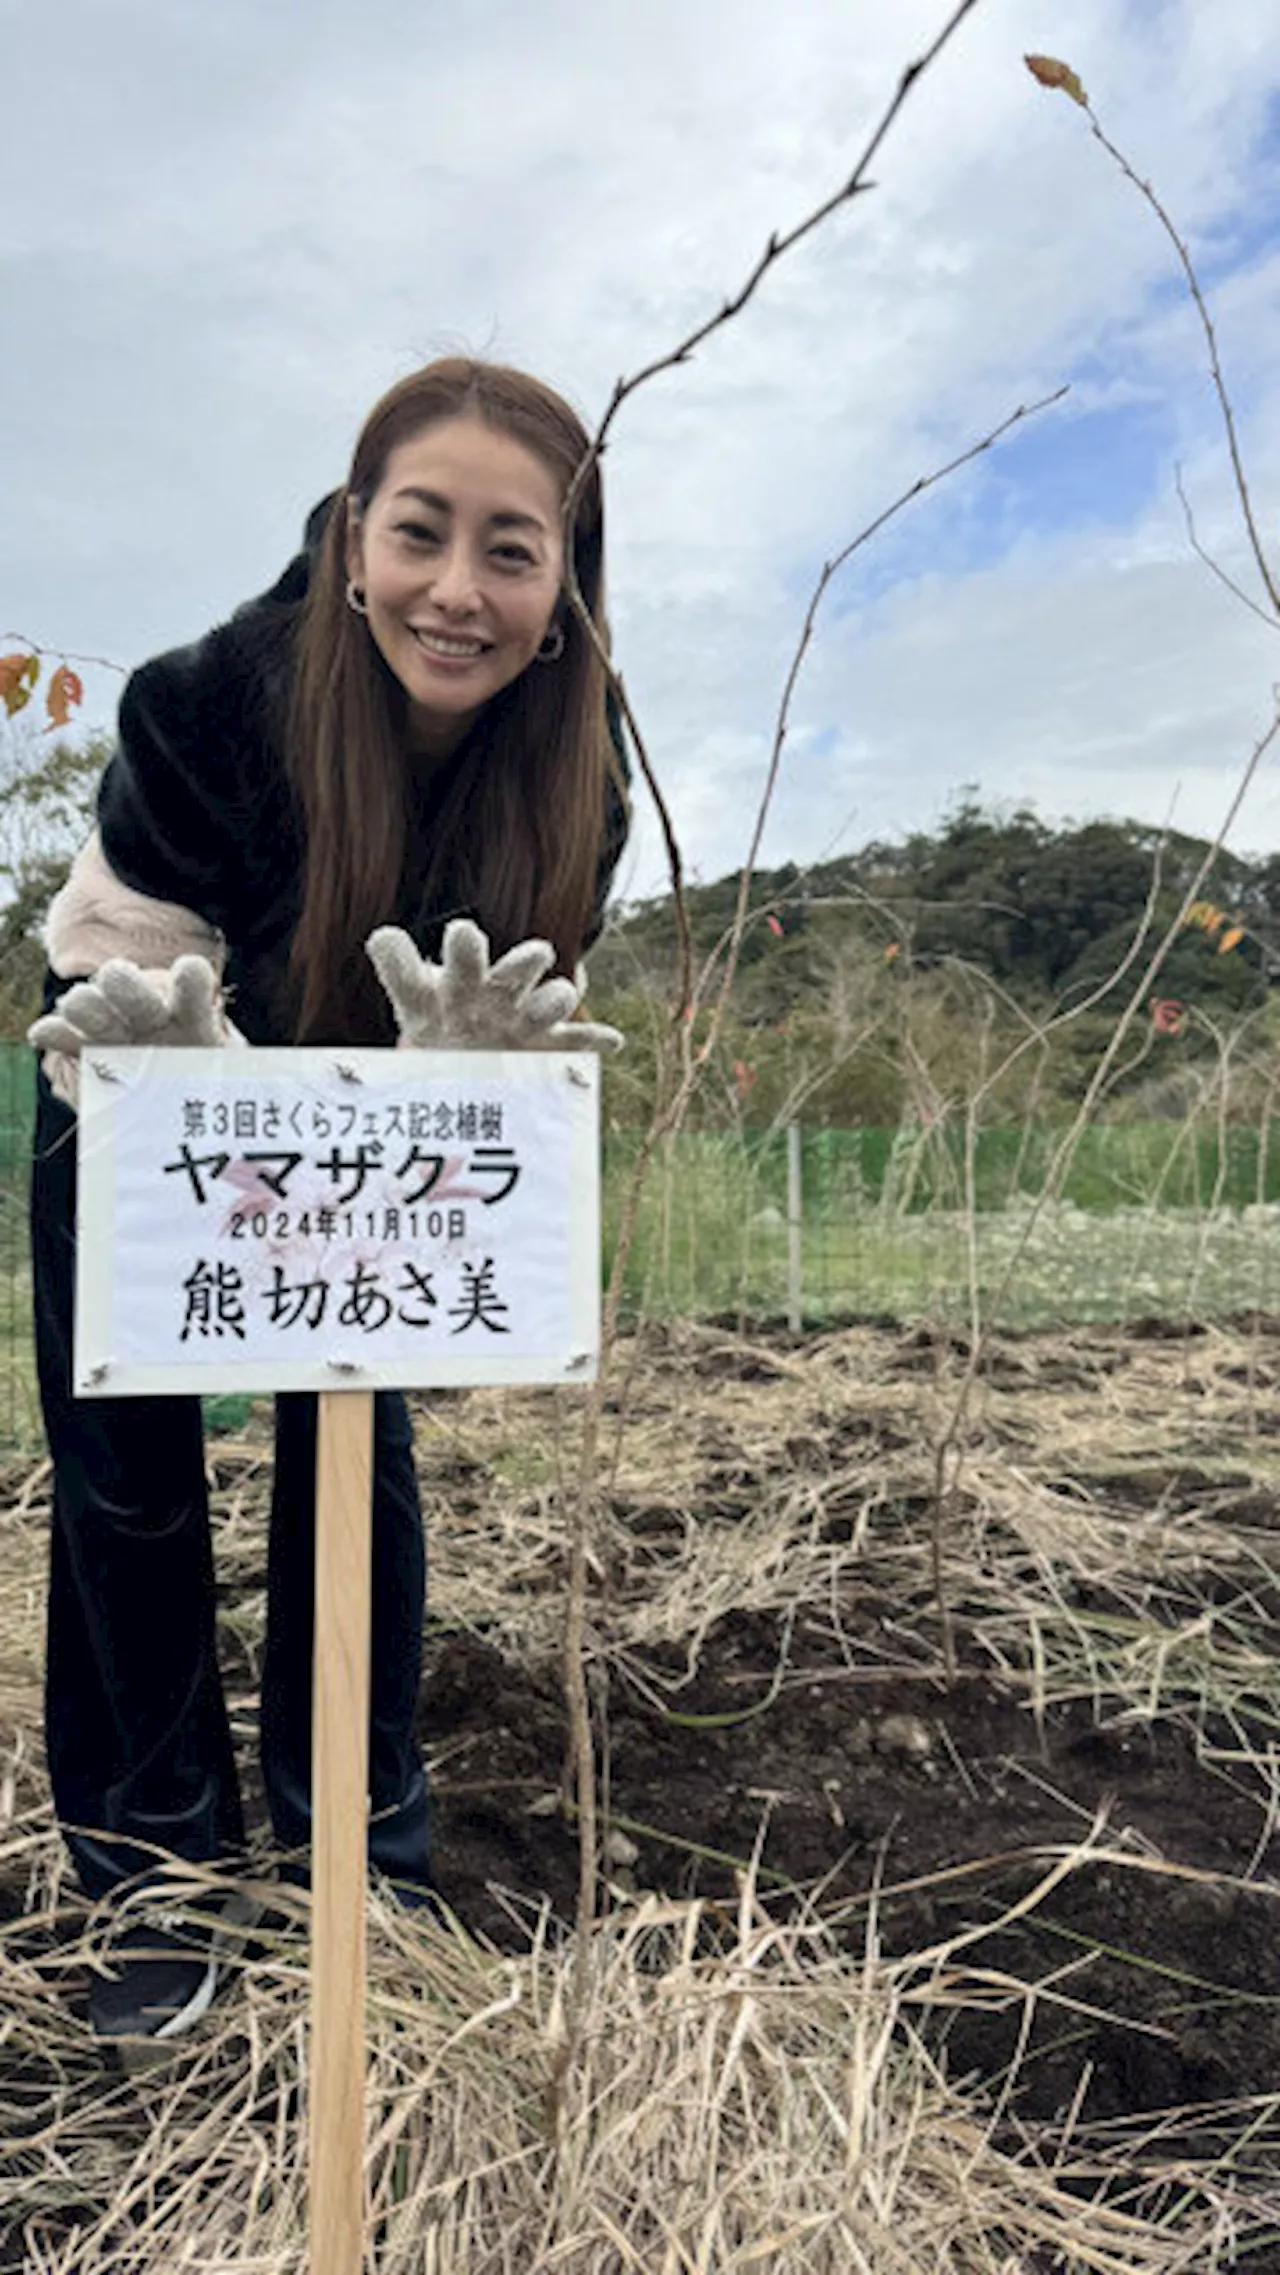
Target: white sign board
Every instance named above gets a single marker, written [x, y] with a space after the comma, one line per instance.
[307, 1219]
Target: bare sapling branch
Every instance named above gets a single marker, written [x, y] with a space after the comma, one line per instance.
[778, 246]
[780, 243]
[949, 1459]
[1052, 73]
[1144, 189]
[666, 1117]
[728, 947]
[831, 569]
[668, 1113]
[950, 1453]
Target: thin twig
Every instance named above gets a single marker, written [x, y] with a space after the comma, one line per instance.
[1202, 552]
[35, 648]
[1178, 243]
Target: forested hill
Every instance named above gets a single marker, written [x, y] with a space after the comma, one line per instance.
[1048, 913]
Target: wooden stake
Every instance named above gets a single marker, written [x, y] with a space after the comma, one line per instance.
[339, 1817]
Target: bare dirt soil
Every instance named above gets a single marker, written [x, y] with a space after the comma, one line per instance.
[818, 1733]
[1184, 1974]
[1076, 1833]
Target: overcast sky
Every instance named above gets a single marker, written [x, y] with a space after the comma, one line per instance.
[228, 228]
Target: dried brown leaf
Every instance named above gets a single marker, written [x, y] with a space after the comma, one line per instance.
[1051, 73]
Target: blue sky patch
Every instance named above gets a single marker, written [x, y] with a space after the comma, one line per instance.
[1064, 472]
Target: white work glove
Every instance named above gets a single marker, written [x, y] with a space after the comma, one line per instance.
[122, 1004]
[466, 1003]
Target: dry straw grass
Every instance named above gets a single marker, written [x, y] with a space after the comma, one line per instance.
[738, 2092]
[740, 2097]
[784, 1483]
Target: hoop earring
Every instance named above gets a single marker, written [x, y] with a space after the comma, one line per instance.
[355, 598]
[552, 647]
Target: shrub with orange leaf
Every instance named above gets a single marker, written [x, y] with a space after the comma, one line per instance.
[19, 678]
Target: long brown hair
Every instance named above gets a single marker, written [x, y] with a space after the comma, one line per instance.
[519, 832]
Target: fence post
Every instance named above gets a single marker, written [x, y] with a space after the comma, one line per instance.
[795, 1231]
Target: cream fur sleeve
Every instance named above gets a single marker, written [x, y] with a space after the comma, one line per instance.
[95, 917]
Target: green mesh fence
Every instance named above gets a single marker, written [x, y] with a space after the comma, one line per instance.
[1148, 1219]
[1151, 1219]
[17, 1110]
[19, 1419]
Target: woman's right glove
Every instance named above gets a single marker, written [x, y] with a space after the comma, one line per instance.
[121, 1004]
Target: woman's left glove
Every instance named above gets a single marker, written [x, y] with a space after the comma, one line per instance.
[466, 1003]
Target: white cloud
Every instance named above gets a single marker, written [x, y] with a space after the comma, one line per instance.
[231, 228]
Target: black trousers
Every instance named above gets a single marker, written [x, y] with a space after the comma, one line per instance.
[138, 1742]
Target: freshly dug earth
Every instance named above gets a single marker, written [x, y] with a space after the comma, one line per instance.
[846, 1785]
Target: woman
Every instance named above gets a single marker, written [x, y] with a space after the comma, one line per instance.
[410, 727]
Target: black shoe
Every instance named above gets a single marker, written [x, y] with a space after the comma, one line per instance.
[161, 1978]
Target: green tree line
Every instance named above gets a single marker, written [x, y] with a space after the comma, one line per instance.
[890, 983]
[876, 988]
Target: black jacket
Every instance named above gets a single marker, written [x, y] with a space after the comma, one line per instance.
[195, 805]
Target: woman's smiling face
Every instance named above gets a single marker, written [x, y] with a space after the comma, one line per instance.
[459, 557]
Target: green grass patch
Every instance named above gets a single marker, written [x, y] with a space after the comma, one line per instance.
[712, 1235]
